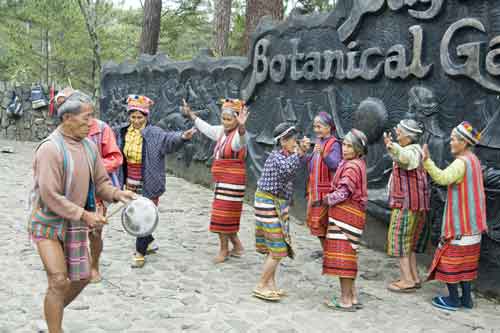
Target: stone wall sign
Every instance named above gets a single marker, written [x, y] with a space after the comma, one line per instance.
[368, 63]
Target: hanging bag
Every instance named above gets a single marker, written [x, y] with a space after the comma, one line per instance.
[38, 99]
[15, 107]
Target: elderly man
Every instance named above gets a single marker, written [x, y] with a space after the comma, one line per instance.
[68, 175]
[457, 257]
[409, 201]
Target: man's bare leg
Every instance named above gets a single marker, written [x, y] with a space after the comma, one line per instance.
[52, 256]
[74, 290]
[96, 245]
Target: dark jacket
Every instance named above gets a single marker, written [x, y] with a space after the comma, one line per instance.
[155, 145]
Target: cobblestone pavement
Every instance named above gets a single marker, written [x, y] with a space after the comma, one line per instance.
[181, 290]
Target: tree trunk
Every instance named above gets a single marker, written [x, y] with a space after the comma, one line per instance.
[89, 11]
[222, 22]
[256, 9]
[151, 27]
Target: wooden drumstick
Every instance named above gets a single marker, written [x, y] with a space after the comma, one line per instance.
[119, 208]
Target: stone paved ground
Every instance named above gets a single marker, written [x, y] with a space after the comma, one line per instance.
[181, 290]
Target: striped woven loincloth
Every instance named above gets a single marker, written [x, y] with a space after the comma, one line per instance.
[47, 225]
[271, 226]
[76, 251]
[403, 234]
[456, 261]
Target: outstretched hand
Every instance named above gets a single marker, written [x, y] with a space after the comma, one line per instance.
[186, 110]
[387, 139]
[305, 143]
[125, 196]
[188, 135]
[425, 152]
[243, 116]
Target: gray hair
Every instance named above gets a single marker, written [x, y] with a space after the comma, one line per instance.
[412, 129]
[73, 103]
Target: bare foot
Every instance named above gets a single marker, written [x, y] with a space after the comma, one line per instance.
[220, 258]
[237, 253]
[95, 276]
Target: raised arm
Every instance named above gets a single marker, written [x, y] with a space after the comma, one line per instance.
[171, 141]
[210, 131]
[408, 158]
[453, 174]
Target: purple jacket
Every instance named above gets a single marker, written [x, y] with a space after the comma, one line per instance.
[155, 145]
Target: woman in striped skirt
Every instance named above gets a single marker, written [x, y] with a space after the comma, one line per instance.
[346, 219]
[321, 166]
[409, 200]
[457, 257]
[228, 173]
[274, 192]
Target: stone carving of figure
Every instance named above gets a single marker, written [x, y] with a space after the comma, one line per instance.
[423, 107]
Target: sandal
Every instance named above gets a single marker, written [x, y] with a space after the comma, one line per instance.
[440, 303]
[138, 261]
[358, 305]
[281, 292]
[335, 305]
[267, 295]
[236, 254]
[395, 288]
[152, 248]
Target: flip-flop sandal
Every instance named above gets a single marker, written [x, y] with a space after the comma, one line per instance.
[281, 292]
[334, 305]
[138, 262]
[266, 295]
[236, 254]
[152, 248]
[358, 306]
[395, 289]
[440, 303]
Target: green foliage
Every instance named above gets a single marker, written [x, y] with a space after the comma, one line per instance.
[26, 27]
[185, 29]
[237, 33]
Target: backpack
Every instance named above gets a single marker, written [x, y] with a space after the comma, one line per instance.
[15, 107]
[38, 99]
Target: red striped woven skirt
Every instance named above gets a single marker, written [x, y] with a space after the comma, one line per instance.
[455, 263]
[340, 259]
[230, 178]
[317, 219]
